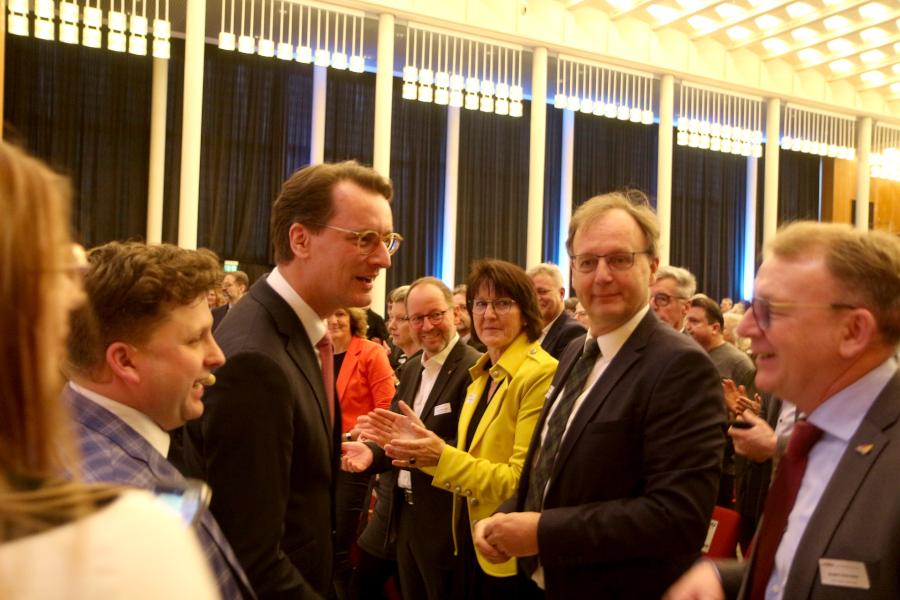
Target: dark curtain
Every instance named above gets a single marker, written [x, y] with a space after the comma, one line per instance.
[709, 191]
[492, 211]
[86, 112]
[798, 191]
[350, 116]
[418, 155]
[255, 132]
[610, 155]
[552, 181]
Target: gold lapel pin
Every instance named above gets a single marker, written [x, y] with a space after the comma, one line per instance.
[864, 449]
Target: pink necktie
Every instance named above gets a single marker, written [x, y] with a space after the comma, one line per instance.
[326, 355]
[780, 502]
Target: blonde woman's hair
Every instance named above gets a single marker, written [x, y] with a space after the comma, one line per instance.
[36, 438]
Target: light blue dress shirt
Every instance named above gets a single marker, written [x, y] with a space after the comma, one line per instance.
[838, 417]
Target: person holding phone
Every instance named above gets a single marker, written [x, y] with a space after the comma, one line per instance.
[64, 538]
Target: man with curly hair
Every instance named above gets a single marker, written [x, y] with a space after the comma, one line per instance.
[141, 351]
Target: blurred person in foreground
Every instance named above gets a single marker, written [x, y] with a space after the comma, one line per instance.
[824, 326]
[502, 404]
[61, 538]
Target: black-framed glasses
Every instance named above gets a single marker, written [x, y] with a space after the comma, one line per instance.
[367, 241]
[434, 317]
[662, 299]
[762, 309]
[616, 261]
[501, 306]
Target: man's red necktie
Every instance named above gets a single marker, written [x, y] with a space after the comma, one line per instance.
[779, 504]
[326, 355]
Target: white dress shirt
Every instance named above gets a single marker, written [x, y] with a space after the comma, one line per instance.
[431, 368]
[314, 325]
[610, 344]
[155, 435]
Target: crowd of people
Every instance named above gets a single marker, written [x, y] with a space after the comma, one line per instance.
[170, 431]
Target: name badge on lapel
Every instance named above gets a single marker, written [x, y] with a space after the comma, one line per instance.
[442, 409]
[843, 573]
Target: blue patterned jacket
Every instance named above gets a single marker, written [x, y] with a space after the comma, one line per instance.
[114, 452]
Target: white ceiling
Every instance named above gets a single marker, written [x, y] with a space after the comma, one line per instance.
[853, 40]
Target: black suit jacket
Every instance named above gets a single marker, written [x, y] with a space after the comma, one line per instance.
[857, 518]
[564, 329]
[432, 506]
[218, 314]
[632, 490]
[267, 447]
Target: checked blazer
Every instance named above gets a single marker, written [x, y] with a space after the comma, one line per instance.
[114, 452]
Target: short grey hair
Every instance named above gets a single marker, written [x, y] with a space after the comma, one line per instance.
[548, 269]
[685, 281]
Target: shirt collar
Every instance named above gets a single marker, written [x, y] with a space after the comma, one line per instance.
[143, 425]
[611, 342]
[313, 324]
[510, 361]
[841, 414]
[546, 329]
[440, 358]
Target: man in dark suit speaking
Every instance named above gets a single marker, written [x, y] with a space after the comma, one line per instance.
[824, 326]
[267, 443]
[621, 477]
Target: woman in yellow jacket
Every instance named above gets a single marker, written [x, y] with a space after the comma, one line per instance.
[496, 423]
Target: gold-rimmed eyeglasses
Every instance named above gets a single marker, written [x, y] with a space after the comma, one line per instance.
[367, 241]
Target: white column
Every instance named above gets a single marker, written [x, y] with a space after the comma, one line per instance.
[567, 167]
[770, 191]
[3, 16]
[317, 129]
[192, 119]
[381, 155]
[863, 147]
[157, 150]
[534, 236]
[664, 166]
[749, 266]
[451, 176]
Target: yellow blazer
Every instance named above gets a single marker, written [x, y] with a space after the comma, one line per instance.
[488, 474]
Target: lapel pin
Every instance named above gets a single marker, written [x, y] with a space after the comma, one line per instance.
[864, 449]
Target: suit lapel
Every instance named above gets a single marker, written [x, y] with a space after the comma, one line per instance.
[621, 363]
[490, 412]
[842, 488]
[562, 374]
[468, 408]
[550, 339]
[350, 366]
[298, 345]
[443, 377]
[118, 432]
